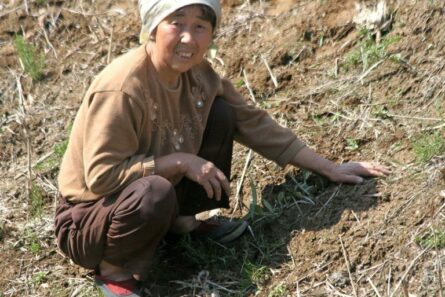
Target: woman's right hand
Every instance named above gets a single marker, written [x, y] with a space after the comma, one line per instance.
[197, 169]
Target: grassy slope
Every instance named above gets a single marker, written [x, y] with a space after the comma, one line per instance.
[308, 237]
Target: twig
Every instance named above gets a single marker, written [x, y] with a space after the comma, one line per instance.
[377, 268]
[374, 288]
[11, 11]
[433, 128]
[26, 6]
[407, 271]
[43, 158]
[415, 118]
[109, 45]
[389, 281]
[405, 289]
[329, 200]
[336, 68]
[348, 265]
[297, 56]
[360, 79]
[84, 13]
[298, 290]
[291, 256]
[315, 271]
[241, 181]
[334, 290]
[246, 81]
[439, 268]
[272, 75]
[77, 290]
[49, 43]
[220, 287]
[26, 135]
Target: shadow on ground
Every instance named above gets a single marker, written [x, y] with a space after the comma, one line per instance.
[304, 202]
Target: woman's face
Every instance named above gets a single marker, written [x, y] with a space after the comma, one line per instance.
[181, 41]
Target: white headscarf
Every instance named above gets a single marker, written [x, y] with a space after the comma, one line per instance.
[154, 11]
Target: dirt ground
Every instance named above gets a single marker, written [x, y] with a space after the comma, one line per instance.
[348, 93]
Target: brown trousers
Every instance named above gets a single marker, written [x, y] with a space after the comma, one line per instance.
[124, 229]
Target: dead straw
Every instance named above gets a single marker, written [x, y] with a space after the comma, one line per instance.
[348, 265]
[26, 134]
[407, 271]
[374, 287]
[49, 42]
[329, 200]
[241, 181]
[272, 75]
[246, 81]
[109, 45]
[439, 268]
[360, 79]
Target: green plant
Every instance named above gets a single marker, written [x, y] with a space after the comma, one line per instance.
[37, 201]
[279, 291]
[32, 242]
[380, 111]
[40, 2]
[240, 83]
[39, 278]
[368, 52]
[204, 254]
[428, 146]
[325, 118]
[432, 239]
[54, 160]
[253, 274]
[351, 144]
[254, 209]
[32, 61]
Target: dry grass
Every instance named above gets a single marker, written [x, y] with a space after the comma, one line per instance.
[307, 237]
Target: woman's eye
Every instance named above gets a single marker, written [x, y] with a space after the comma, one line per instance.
[201, 27]
[175, 23]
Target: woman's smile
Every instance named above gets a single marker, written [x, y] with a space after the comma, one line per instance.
[184, 53]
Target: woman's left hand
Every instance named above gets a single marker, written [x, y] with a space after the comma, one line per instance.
[352, 172]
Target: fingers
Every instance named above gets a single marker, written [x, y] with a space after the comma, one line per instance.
[373, 169]
[207, 187]
[348, 179]
[219, 183]
[216, 188]
[213, 181]
[224, 182]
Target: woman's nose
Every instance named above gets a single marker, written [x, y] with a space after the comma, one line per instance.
[186, 36]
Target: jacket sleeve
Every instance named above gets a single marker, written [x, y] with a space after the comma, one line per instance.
[111, 142]
[256, 129]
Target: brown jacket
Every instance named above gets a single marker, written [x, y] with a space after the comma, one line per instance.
[128, 118]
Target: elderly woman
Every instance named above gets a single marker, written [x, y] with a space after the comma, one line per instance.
[151, 146]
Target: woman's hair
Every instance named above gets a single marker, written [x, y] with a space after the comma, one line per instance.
[208, 14]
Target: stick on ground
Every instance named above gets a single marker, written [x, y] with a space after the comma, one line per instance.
[348, 265]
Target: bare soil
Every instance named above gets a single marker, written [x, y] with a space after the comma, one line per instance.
[312, 237]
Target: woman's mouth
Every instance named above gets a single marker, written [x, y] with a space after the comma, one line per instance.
[184, 55]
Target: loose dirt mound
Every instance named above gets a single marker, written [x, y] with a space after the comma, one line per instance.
[347, 95]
